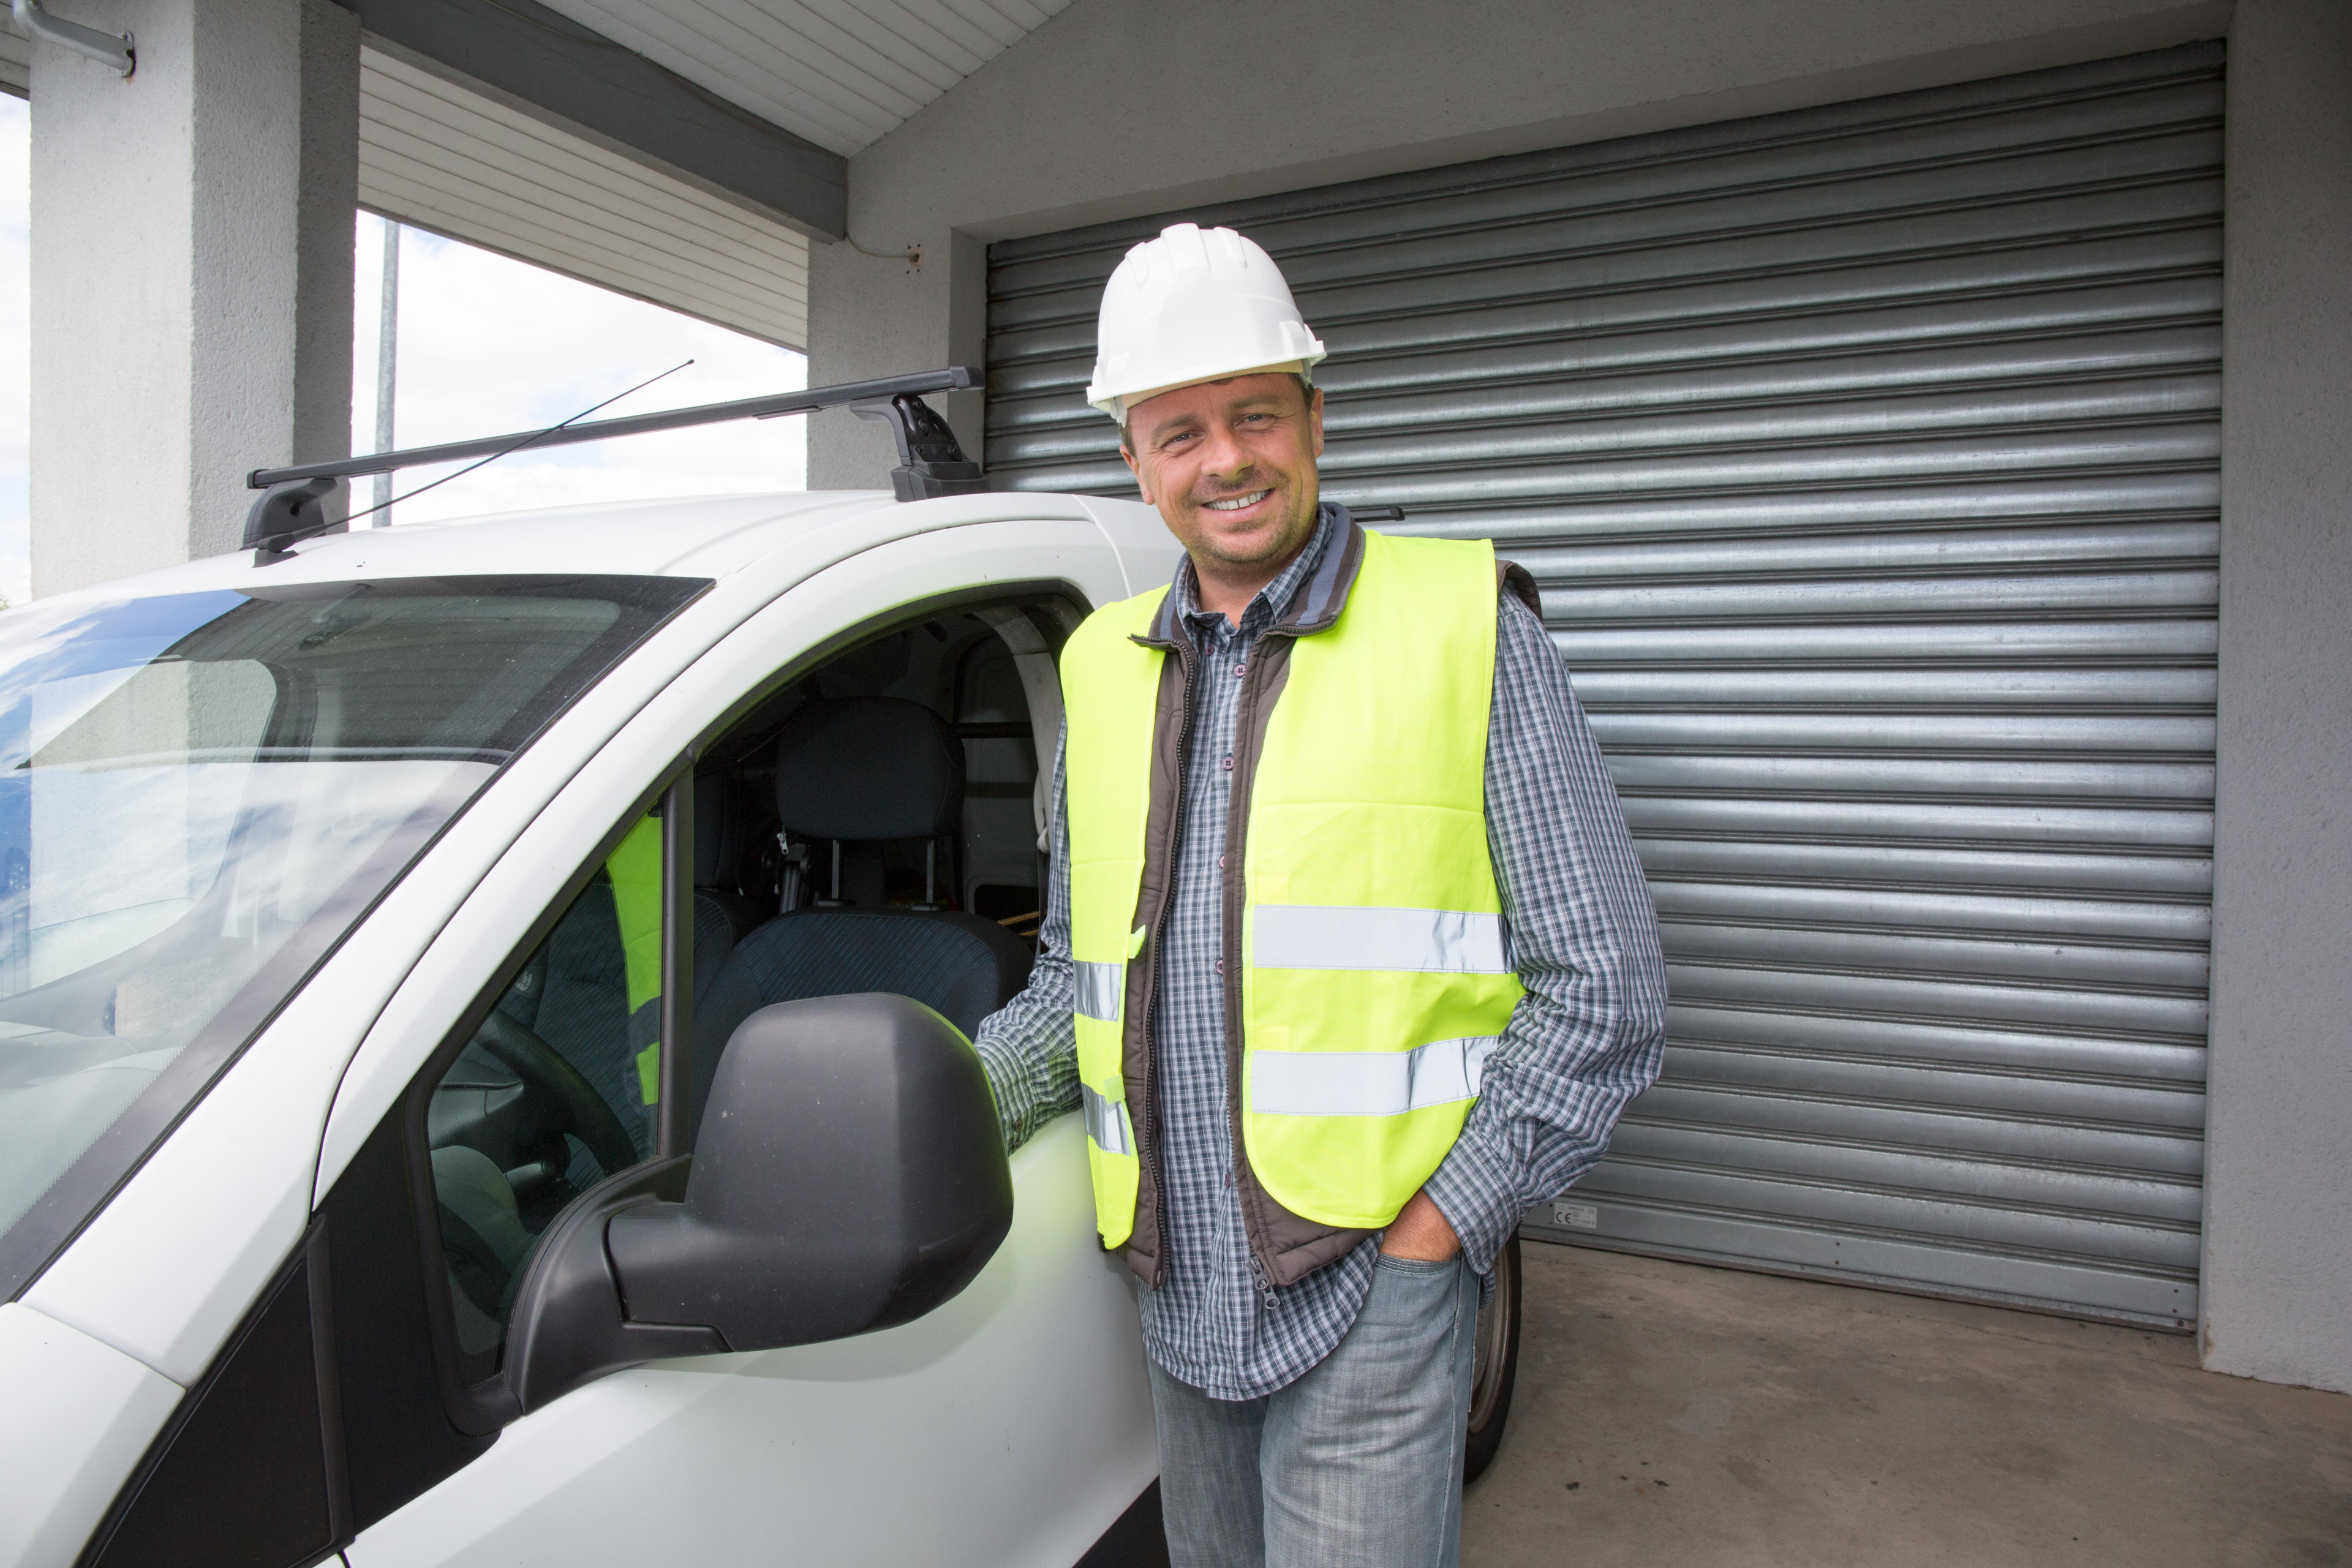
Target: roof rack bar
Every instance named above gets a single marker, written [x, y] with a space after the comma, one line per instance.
[954, 378]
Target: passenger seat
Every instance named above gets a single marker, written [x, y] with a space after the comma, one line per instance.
[861, 771]
[720, 833]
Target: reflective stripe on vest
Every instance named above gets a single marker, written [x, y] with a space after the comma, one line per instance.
[1107, 1123]
[1367, 1083]
[1309, 936]
[1100, 989]
[1374, 977]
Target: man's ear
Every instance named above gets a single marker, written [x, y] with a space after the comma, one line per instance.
[1128, 456]
[1315, 418]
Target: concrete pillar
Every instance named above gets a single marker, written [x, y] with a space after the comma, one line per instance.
[2278, 1175]
[191, 275]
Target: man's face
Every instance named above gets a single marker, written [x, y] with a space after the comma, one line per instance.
[1231, 464]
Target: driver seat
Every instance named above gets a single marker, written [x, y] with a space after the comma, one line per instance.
[861, 771]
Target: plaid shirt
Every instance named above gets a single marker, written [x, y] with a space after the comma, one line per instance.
[1581, 1044]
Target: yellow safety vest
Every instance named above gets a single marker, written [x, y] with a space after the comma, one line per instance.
[1375, 978]
[636, 868]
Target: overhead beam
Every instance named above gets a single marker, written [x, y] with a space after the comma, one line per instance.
[544, 65]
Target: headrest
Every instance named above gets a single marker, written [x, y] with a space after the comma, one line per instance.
[863, 768]
[717, 830]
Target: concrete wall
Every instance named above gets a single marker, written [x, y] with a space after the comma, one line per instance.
[192, 275]
[2278, 1206]
[1121, 107]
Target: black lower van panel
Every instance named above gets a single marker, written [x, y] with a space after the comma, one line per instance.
[240, 1477]
[397, 1436]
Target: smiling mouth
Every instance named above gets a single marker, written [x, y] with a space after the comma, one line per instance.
[1240, 503]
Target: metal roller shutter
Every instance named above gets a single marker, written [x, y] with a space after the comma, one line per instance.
[1867, 458]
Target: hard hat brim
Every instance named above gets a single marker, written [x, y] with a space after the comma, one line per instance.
[1115, 403]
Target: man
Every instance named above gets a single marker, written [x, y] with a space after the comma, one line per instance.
[1346, 955]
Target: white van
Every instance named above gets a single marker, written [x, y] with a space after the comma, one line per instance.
[483, 1060]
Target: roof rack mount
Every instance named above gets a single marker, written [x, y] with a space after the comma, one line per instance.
[931, 461]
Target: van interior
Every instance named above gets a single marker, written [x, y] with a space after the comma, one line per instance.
[879, 824]
[874, 825]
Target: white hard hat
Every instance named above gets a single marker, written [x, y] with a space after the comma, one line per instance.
[1196, 304]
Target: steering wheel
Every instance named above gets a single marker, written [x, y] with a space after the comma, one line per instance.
[536, 1063]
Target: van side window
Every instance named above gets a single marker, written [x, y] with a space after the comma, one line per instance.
[557, 1089]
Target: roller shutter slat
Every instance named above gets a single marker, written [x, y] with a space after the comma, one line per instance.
[2180, 1109]
[1865, 869]
[2114, 962]
[1995, 646]
[2150, 1013]
[1859, 689]
[1830, 732]
[2172, 495]
[1808, 1195]
[1739, 1024]
[1866, 459]
[2072, 1141]
[1944, 777]
[1760, 833]
[1914, 908]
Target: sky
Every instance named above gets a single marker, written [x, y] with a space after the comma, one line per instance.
[489, 345]
[485, 345]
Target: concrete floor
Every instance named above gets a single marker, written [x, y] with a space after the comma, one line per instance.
[1673, 1415]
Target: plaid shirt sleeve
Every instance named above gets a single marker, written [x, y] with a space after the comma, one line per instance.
[1030, 1047]
[1586, 1038]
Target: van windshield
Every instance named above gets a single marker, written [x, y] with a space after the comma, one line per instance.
[200, 793]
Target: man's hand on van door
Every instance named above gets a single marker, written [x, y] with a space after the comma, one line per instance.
[1421, 1233]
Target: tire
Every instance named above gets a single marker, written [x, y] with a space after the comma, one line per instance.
[1495, 1367]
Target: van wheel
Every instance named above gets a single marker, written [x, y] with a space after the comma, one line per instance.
[1494, 1365]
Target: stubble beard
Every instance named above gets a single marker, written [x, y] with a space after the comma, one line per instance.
[1297, 528]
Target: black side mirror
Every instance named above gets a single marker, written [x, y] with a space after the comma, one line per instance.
[849, 1176]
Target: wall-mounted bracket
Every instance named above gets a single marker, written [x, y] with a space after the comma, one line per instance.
[111, 49]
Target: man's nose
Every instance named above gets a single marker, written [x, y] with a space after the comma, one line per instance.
[1223, 457]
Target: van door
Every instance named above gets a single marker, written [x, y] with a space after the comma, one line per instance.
[1011, 1425]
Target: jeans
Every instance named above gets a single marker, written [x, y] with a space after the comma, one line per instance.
[1356, 1464]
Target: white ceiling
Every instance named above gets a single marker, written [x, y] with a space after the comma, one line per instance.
[840, 73]
[438, 156]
